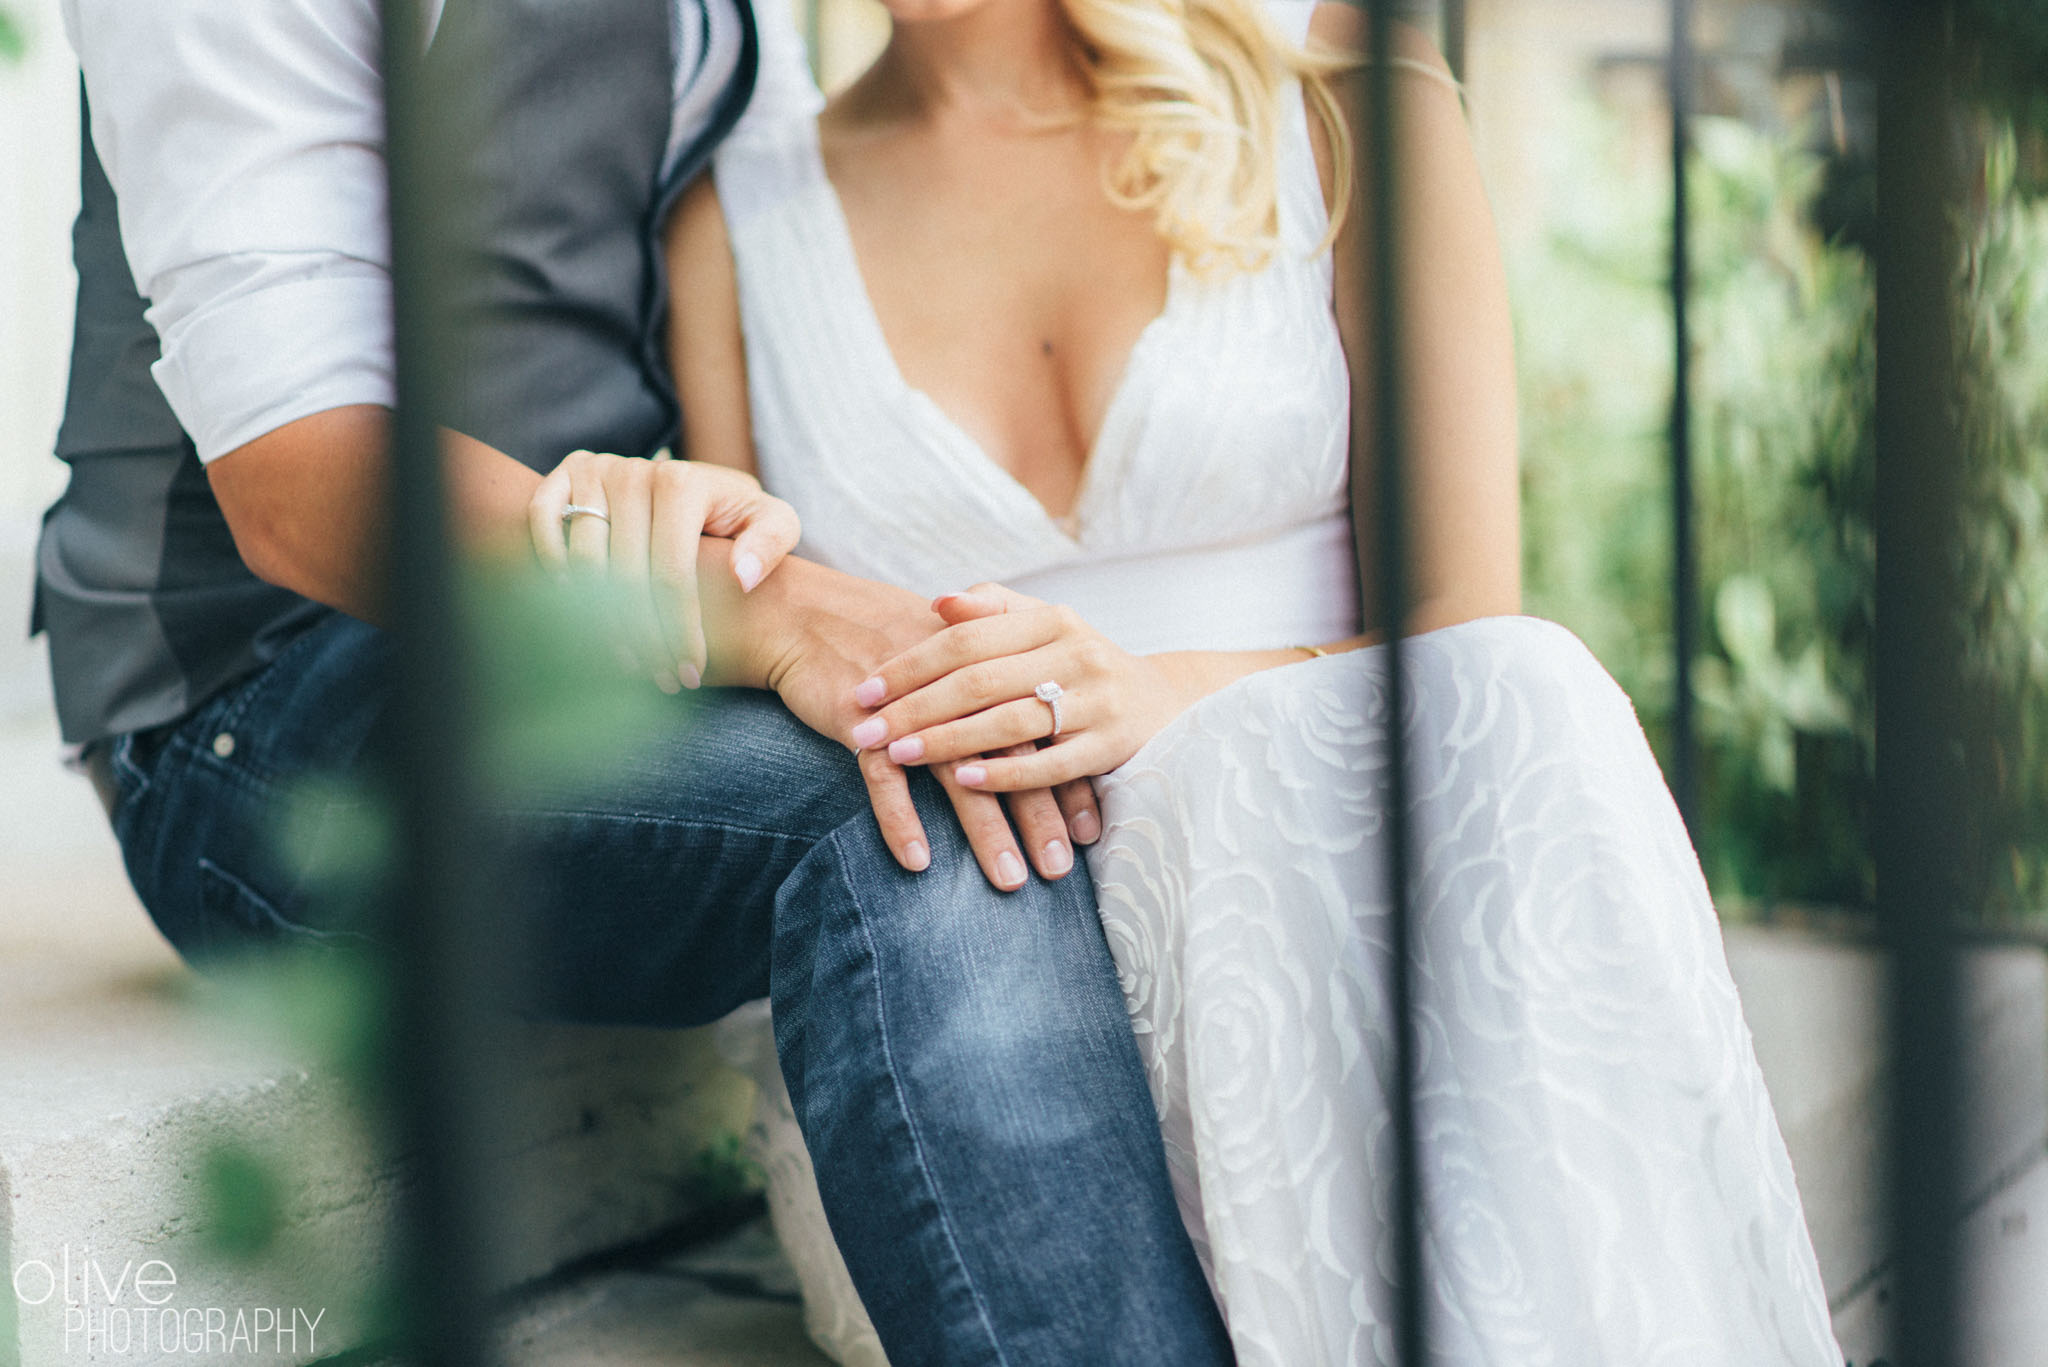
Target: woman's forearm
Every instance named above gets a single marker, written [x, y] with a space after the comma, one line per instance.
[1195, 674]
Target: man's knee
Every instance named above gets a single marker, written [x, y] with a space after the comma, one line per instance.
[980, 987]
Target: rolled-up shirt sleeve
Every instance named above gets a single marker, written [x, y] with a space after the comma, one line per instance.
[244, 142]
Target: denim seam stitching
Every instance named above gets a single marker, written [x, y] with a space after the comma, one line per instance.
[120, 757]
[860, 921]
[240, 885]
[645, 819]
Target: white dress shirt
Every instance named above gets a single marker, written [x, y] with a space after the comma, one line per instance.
[244, 141]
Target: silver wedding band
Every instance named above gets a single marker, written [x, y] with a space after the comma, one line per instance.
[576, 510]
[1050, 694]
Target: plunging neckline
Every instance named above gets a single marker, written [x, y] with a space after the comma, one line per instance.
[977, 462]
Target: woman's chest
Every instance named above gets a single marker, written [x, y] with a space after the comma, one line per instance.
[1009, 289]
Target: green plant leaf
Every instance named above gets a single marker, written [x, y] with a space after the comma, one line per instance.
[1748, 622]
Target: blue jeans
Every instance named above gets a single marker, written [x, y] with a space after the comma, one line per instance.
[959, 1058]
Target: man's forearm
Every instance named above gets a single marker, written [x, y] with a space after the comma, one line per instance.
[307, 504]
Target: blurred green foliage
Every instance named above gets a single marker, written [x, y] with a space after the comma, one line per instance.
[553, 713]
[13, 42]
[723, 1170]
[2003, 45]
[1783, 389]
[2003, 350]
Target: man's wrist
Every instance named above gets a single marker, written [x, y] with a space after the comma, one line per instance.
[756, 638]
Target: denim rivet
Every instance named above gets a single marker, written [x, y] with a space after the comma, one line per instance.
[224, 744]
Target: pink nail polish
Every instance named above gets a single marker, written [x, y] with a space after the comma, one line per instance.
[746, 567]
[917, 856]
[869, 732]
[692, 677]
[1009, 870]
[971, 775]
[868, 692]
[909, 750]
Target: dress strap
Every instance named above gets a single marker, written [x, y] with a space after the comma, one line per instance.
[766, 168]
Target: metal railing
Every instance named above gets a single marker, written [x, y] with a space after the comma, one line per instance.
[1381, 448]
[438, 1046]
[1922, 806]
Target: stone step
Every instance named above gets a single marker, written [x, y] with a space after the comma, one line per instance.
[731, 1303]
[1816, 1007]
[728, 1305]
[132, 1098]
[2003, 1247]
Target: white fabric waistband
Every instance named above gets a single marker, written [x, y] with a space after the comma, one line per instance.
[1297, 587]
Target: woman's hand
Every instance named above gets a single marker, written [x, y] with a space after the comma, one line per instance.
[835, 630]
[970, 691]
[654, 512]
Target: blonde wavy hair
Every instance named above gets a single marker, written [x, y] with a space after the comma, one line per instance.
[1196, 84]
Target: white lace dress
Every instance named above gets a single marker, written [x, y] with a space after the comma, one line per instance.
[1604, 1183]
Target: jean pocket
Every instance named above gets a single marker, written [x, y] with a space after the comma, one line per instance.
[238, 916]
[130, 763]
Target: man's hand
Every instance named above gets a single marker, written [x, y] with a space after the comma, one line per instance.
[819, 633]
[637, 522]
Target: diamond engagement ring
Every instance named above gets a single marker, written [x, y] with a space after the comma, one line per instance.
[576, 510]
[1050, 694]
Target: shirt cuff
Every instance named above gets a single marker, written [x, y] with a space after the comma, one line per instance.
[253, 362]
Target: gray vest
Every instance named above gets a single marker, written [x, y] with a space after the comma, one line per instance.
[148, 607]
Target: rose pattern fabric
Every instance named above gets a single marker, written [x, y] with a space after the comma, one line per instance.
[1602, 1176]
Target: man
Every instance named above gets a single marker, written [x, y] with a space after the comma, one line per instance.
[997, 1189]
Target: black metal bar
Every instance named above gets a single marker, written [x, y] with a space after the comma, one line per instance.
[1381, 446]
[1684, 569]
[438, 1041]
[1920, 822]
[814, 37]
[1455, 37]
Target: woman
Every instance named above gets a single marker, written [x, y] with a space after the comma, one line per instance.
[1046, 303]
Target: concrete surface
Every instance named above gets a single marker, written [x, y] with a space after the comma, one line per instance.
[1816, 1010]
[2004, 1247]
[123, 1081]
[732, 1304]
[729, 1305]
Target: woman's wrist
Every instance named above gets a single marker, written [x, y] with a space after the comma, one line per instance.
[1193, 675]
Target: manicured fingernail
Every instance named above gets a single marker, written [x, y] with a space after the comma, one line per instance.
[1087, 827]
[1009, 870]
[693, 677]
[909, 750]
[869, 732]
[971, 775]
[746, 567]
[868, 692]
[917, 856]
[1058, 858]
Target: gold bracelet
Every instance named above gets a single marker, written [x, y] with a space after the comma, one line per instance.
[1315, 652]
